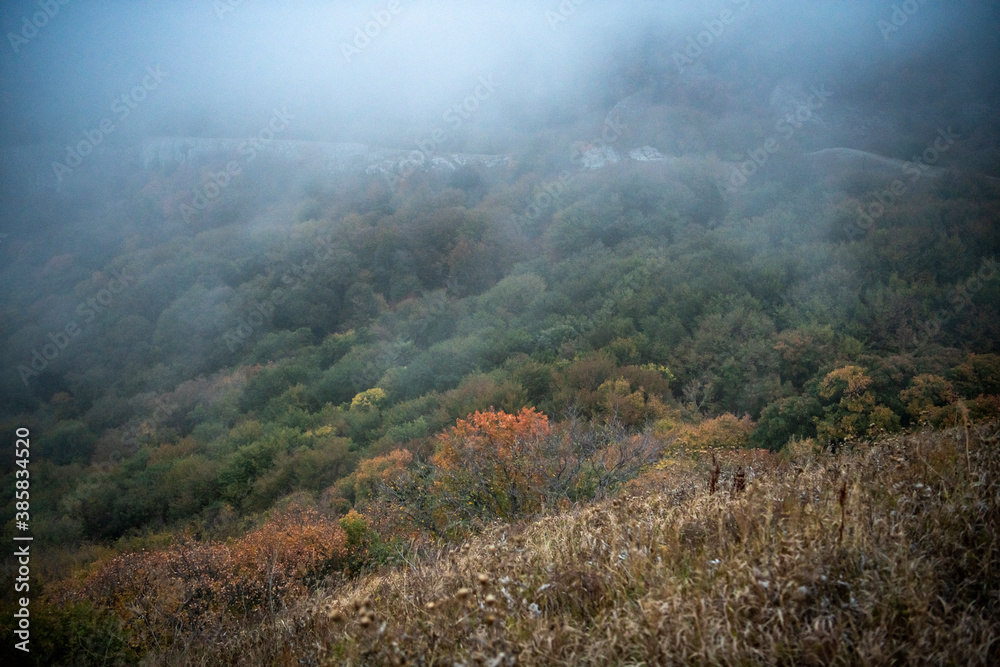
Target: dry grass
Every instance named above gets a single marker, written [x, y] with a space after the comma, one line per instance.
[887, 554]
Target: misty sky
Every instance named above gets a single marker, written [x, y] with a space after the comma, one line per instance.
[226, 65]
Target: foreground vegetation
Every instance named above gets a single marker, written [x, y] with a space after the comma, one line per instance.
[883, 553]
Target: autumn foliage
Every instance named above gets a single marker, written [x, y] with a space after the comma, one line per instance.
[854, 410]
[725, 432]
[496, 463]
[187, 587]
[883, 554]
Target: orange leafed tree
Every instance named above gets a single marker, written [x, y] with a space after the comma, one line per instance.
[498, 465]
[495, 464]
[376, 473]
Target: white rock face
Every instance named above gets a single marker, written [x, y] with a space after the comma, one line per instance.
[647, 154]
[597, 157]
[167, 152]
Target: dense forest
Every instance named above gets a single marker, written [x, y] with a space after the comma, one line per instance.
[316, 375]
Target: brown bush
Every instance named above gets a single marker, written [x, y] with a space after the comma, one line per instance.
[189, 587]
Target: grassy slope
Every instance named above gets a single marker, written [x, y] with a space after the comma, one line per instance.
[674, 574]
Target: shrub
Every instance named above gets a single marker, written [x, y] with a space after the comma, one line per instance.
[854, 411]
[490, 464]
[162, 593]
[930, 399]
[368, 400]
[69, 442]
[786, 419]
[725, 432]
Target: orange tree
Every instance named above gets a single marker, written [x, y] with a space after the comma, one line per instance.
[495, 465]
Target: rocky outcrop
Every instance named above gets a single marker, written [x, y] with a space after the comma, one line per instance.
[170, 152]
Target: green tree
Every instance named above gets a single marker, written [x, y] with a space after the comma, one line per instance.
[852, 410]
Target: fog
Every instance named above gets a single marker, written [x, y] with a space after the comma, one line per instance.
[111, 108]
[227, 64]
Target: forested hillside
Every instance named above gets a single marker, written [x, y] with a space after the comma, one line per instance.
[270, 353]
